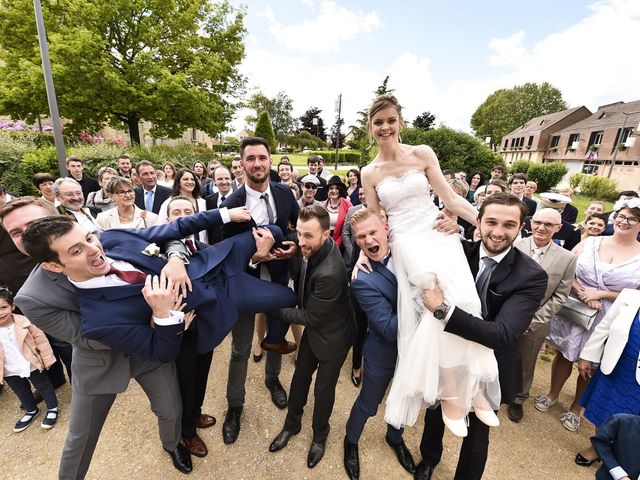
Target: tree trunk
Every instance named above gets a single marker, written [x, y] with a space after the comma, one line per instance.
[134, 130]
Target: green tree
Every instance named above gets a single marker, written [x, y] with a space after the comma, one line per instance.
[279, 108]
[264, 129]
[455, 150]
[506, 109]
[334, 135]
[306, 123]
[172, 63]
[425, 121]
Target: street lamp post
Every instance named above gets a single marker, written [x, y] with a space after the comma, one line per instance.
[615, 152]
[51, 91]
[339, 109]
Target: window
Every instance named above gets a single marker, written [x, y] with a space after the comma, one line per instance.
[530, 142]
[574, 140]
[555, 141]
[596, 138]
[625, 136]
[506, 143]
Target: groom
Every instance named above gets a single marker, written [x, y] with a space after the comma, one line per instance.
[512, 294]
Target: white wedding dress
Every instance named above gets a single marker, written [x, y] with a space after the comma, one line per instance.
[432, 364]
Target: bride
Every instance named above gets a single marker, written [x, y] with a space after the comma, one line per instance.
[433, 365]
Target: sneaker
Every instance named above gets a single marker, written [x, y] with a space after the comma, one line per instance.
[49, 419]
[570, 421]
[26, 420]
[543, 403]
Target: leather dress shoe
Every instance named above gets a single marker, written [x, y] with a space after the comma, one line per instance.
[514, 412]
[585, 462]
[316, 452]
[283, 347]
[278, 394]
[257, 358]
[181, 458]
[351, 460]
[281, 440]
[205, 421]
[195, 446]
[231, 425]
[404, 455]
[356, 380]
[423, 472]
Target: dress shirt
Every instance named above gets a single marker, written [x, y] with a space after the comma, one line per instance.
[14, 362]
[258, 208]
[86, 220]
[497, 258]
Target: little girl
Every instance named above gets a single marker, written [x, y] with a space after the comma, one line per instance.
[24, 354]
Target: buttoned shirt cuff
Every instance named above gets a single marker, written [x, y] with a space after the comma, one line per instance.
[224, 214]
[448, 316]
[176, 318]
[184, 257]
[618, 472]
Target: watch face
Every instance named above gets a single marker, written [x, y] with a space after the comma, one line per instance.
[439, 313]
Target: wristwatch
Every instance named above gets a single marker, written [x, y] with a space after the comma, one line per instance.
[441, 311]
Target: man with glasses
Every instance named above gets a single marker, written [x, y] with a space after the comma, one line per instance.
[560, 266]
[310, 184]
[150, 196]
[69, 194]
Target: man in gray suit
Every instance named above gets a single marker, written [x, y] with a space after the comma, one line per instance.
[99, 373]
[560, 265]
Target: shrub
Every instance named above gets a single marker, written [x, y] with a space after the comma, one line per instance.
[350, 157]
[521, 166]
[546, 175]
[600, 188]
[575, 180]
[264, 129]
[19, 178]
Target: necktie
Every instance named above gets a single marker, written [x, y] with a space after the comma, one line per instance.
[148, 201]
[537, 254]
[222, 199]
[132, 277]
[482, 283]
[265, 197]
[190, 246]
[301, 281]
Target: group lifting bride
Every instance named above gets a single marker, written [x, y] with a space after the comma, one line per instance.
[433, 365]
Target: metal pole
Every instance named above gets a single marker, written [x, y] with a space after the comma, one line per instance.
[615, 151]
[338, 130]
[51, 91]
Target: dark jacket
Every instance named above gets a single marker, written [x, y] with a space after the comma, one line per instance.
[161, 194]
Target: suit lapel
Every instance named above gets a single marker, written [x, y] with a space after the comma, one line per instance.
[504, 268]
[387, 275]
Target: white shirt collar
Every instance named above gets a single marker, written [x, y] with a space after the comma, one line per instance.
[256, 194]
[498, 258]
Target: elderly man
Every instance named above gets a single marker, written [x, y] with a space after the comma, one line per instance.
[149, 196]
[69, 194]
[560, 266]
[310, 184]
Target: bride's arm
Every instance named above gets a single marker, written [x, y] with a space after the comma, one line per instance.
[452, 201]
[373, 202]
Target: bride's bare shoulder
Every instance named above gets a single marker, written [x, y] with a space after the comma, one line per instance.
[370, 173]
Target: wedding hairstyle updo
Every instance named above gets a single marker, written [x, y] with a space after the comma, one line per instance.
[384, 101]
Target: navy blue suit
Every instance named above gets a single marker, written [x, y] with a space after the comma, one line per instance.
[119, 317]
[287, 210]
[617, 445]
[377, 295]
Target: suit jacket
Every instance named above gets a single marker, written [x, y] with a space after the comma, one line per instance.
[616, 443]
[567, 237]
[287, 210]
[214, 234]
[326, 310]
[532, 205]
[560, 266]
[15, 266]
[347, 239]
[141, 219]
[515, 292]
[376, 293]
[162, 193]
[119, 316]
[606, 343]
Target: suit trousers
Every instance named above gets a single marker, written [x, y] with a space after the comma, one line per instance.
[22, 389]
[475, 446]
[241, 344]
[193, 373]
[374, 386]
[360, 337]
[324, 390]
[63, 352]
[89, 412]
[531, 342]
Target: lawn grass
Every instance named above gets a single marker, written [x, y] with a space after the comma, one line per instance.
[581, 203]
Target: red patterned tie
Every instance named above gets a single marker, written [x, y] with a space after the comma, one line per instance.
[132, 277]
[191, 246]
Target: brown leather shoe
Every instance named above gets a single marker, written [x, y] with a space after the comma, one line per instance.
[283, 347]
[205, 421]
[195, 446]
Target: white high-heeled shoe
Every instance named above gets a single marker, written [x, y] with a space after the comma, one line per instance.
[457, 427]
[488, 417]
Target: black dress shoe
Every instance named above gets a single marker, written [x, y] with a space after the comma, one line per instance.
[181, 458]
[404, 455]
[355, 380]
[257, 358]
[351, 461]
[231, 425]
[514, 412]
[278, 395]
[316, 452]
[584, 462]
[423, 472]
[281, 440]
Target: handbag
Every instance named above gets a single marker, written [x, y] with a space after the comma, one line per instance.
[578, 313]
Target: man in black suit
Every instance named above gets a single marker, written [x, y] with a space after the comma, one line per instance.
[515, 289]
[268, 202]
[517, 183]
[76, 171]
[313, 163]
[150, 195]
[324, 309]
[222, 181]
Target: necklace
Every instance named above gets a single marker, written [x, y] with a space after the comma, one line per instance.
[332, 208]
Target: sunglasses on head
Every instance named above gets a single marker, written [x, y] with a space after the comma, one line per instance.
[310, 185]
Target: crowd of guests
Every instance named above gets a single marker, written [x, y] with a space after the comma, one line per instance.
[595, 261]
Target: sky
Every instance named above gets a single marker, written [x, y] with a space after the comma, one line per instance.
[442, 57]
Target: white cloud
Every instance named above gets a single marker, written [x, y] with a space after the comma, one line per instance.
[309, 3]
[326, 32]
[508, 51]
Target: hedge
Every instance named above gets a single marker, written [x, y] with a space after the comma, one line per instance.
[350, 157]
[594, 186]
